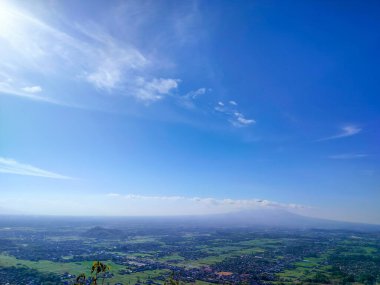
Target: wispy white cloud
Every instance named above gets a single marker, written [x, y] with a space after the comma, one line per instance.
[241, 121]
[116, 204]
[239, 203]
[32, 89]
[10, 86]
[88, 53]
[113, 195]
[188, 20]
[348, 156]
[11, 166]
[235, 117]
[113, 65]
[155, 89]
[199, 205]
[196, 93]
[190, 99]
[8, 89]
[346, 131]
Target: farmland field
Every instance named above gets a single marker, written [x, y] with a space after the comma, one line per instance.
[200, 255]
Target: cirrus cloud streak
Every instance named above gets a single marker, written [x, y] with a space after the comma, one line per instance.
[11, 166]
[346, 131]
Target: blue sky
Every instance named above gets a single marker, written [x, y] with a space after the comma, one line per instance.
[190, 107]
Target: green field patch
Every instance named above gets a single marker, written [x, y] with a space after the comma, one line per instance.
[171, 257]
[303, 270]
[210, 260]
[369, 250]
[79, 267]
[309, 262]
[262, 242]
[139, 276]
[250, 250]
[222, 249]
[139, 255]
[46, 266]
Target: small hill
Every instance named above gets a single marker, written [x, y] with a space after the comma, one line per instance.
[104, 233]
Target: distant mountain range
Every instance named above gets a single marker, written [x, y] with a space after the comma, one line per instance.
[279, 218]
[273, 218]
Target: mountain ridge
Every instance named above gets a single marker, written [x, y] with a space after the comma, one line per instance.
[273, 218]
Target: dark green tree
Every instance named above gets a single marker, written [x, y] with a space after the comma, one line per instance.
[98, 271]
